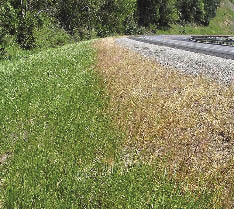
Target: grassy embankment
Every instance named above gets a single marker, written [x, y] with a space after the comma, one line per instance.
[59, 147]
[70, 138]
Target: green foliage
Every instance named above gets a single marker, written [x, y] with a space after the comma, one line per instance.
[157, 12]
[109, 18]
[163, 12]
[102, 18]
[216, 27]
[131, 26]
[15, 21]
[197, 11]
[8, 18]
[8, 22]
[210, 7]
[97, 18]
[24, 35]
[50, 35]
[148, 12]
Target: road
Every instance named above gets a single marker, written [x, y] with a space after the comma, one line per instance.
[183, 42]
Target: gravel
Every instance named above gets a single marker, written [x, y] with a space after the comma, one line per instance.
[217, 68]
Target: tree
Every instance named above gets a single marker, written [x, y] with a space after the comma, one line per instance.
[165, 13]
[197, 11]
[109, 18]
[155, 12]
[148, 12]
[8, 22]
[8, 18]
[210, 7]
[20, 18]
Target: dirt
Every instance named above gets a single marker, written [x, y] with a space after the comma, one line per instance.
[4, 158]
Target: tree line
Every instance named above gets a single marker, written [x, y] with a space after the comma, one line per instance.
[84, 19]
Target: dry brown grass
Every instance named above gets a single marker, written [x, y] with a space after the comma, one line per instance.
[185, 121]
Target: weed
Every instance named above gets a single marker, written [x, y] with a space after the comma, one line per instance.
[65, 150]
[184, 122]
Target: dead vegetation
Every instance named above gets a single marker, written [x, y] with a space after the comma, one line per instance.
[185, 122]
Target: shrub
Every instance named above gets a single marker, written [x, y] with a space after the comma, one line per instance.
[51, 35]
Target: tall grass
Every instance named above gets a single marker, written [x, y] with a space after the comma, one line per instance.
[63, 151]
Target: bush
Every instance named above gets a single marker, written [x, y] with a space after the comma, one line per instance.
[25, 37]
[50, 35]
[132, 28]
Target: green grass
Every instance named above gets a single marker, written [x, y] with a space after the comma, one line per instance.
[65, 152]
[222, 24]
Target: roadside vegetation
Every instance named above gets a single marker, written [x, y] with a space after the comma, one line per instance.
[103, 128]
[59, 146]
[86, 124]
[182, 122]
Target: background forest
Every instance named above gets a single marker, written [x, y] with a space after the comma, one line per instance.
[38, 23]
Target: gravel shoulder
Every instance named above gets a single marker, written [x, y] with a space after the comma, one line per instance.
[217, 68]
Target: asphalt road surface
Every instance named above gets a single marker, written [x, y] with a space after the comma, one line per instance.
[184, 42]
